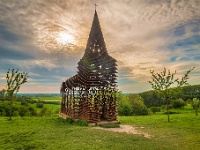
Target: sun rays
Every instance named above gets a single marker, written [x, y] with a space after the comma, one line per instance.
[65, 38]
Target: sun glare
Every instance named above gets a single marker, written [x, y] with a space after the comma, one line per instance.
[65, 38]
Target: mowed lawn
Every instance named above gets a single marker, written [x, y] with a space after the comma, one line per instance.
[183, 132]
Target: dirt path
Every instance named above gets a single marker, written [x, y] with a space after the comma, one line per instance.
[127, 129]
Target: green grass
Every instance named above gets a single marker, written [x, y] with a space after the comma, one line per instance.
[182, 133]
[51, 107]
[48, 98]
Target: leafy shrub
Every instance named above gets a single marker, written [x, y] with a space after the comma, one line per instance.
[132, 104]
[139, 108]
[179, 103]
[137, 105]
[15, 113]
[124, 109]
[32, 111]
[155, 109]
[60, 119]
[69, 120]
[24, 103]
[81, 123]
[23, 110]
[39, 104]
[43, 111]
[4, 108]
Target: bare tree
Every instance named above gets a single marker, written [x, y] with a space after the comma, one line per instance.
[162, 84]
[14, 81]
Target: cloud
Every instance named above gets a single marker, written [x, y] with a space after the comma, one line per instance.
[140, 34]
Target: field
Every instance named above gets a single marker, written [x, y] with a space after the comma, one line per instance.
[47, 98]
[51, 132]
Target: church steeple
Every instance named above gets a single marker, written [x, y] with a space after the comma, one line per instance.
[96, 68]
[96, 62]
[96, 44]
[91, 94]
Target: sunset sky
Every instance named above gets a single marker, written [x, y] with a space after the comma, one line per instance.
[47, 38]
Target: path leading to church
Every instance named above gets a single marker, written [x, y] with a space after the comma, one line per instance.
[127, 129]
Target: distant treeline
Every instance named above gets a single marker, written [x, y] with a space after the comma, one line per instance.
[150, 98]
[38, 94]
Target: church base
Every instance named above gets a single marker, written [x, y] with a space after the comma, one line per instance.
[101, 123]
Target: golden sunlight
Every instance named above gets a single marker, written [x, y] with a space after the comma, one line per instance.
[65, 38]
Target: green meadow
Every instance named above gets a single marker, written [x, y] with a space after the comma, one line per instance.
[52, 132]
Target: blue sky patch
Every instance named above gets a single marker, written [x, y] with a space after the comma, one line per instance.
[179, 31]
[172, 59]
[6, 35]
[14, 55]
[186, 43]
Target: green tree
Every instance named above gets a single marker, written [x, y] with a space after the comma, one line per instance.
[196, 104]
[151, 99]
[131, 104]
[162, 83]
[178, 103]
[137, 104]
[14, 81]
[2, 94]
[189, 92]
[124, 108]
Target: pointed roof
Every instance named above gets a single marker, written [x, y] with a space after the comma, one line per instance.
[96, 38]
[97, 67]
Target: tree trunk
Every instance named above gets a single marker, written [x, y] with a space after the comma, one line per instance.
[10, 115]
[168, 113]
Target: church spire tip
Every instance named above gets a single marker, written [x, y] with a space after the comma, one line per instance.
[95, 5]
